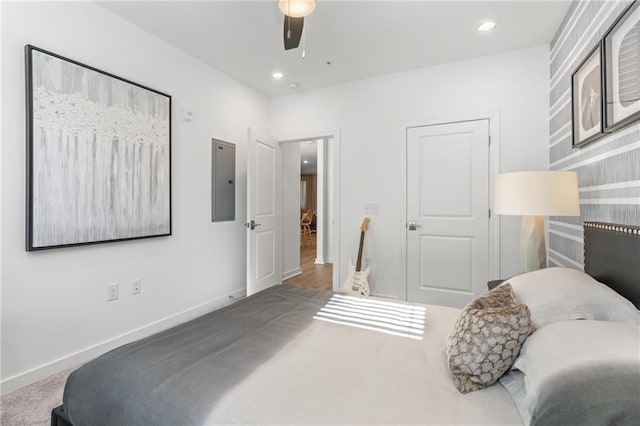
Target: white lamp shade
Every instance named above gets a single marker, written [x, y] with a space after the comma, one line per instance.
[546, 193]
[297, 8]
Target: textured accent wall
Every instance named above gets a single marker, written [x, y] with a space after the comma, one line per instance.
[609, 169]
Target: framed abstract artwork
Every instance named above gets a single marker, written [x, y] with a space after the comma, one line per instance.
[621, 47]
[98, 155]
[586, 99]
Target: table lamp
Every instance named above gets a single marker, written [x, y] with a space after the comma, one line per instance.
[534, 195]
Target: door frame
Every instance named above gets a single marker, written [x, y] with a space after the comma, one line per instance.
[494, 170]
[334, 138]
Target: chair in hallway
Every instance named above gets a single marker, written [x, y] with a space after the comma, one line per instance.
[305, 226]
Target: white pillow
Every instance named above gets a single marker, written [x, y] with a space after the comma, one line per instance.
[579, 372]
[560, 294]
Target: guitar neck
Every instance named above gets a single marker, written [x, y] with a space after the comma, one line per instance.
[359, 262]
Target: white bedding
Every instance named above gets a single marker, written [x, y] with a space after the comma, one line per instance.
[363, 376]
[287, 356]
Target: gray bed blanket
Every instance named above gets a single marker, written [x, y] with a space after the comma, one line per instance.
[175, 377]
[287, 356]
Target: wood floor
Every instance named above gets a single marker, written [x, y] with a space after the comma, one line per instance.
[313, 276]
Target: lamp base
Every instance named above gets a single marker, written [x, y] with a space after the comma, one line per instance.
[533, 249]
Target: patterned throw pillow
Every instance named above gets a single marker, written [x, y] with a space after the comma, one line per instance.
[487, 338]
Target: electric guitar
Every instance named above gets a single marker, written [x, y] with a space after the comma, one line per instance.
[357, 280]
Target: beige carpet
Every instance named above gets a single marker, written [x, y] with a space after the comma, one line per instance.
[32, 405]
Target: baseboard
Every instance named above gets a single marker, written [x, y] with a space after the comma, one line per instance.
[292, 273]
[33, 375]
[319, 261]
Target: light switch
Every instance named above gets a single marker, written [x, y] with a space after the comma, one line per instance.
[371, 208]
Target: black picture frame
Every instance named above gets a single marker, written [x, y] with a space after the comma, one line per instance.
[76, 194]
[576, 142]
[609, 121]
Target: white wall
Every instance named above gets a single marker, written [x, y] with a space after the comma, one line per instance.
[290, 209]
[369, 113]
[54, 302]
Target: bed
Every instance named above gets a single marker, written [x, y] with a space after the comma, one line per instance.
[298, 356]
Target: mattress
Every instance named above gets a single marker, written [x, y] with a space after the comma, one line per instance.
[288, 356]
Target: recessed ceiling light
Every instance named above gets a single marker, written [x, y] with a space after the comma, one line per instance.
[487, 26]
[305, 162]
[277, 75]
[293, 85]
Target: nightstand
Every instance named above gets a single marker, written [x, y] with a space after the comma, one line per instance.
[493, 284]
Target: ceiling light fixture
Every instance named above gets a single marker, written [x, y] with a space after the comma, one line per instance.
[306, 162]
[297, 8]
[277, 75]
[293, 86]
[487, 26]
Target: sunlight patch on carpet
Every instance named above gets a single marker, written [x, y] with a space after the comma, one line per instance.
[393, 318]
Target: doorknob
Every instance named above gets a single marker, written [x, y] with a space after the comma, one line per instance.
[252, 225]
[412, 225]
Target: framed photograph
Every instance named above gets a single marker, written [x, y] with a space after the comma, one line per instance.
[98, 155]
[586, 99]
[622, 70]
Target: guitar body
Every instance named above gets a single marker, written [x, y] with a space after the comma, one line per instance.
[357, 282]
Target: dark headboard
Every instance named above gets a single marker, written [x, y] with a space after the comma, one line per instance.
[612, 256]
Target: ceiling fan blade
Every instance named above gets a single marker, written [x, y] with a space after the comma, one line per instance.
[292, 32]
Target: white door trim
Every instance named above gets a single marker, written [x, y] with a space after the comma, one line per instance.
[334, 136]
[321, 178]
[494, 170]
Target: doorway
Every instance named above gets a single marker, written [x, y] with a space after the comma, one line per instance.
[308, 213]
[448, 222]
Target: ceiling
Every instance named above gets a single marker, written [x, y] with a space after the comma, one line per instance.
[309, 153]
[359, 38]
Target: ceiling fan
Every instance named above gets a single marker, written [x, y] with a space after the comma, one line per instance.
[294, 13]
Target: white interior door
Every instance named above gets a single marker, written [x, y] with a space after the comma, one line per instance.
[447, 212]
[263, 215]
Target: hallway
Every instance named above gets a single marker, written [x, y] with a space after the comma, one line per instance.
[312, 276]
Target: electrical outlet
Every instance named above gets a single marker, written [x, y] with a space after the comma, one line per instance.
[112, 292]
[136, 286]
